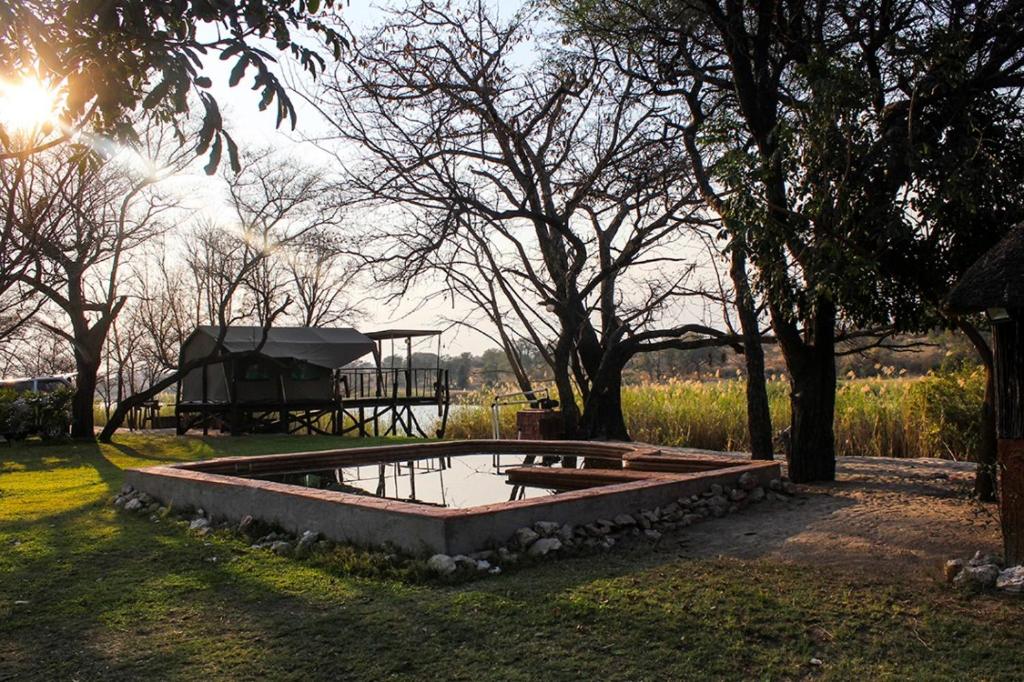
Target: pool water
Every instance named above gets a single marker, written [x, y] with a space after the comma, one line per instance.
[454, 482]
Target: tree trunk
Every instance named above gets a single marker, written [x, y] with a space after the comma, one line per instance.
[566, 394]
[985, 475]
[811, 453]
[812, 372]
[759, 419]
[82, 416]
[602, 414]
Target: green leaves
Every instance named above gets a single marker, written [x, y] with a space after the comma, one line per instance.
[102, 54]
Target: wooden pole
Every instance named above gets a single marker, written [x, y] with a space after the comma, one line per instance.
[206, 421]
[1008, 347]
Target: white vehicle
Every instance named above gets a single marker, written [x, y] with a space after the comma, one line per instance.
[38, 384]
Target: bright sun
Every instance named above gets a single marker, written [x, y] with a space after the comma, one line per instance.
[26, 105]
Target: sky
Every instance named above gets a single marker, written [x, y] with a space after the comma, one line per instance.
[251, 127]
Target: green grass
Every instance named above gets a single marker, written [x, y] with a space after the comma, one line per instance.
[937, 415]
[112, 595]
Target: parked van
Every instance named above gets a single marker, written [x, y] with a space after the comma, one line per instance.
[37, 384]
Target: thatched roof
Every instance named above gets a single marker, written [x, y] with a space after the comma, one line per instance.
[996, 280]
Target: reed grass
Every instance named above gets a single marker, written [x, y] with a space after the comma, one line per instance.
[937, 415]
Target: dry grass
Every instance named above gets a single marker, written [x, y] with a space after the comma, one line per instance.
[932, 416]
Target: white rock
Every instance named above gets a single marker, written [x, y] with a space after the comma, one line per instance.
[1011, 580]
[304, 547]
[747, 481]
[197, 523]
[624, 520]
[442, 564]
[483, 565]
[281, 547]
[543, 546]
[983, 576]
[816, 662]
[495, 570]
[463, 561]
[526, 537]
[546, 528]
[981, 559]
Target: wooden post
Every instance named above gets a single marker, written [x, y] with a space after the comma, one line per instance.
[235, 418]
[282, 398]
[206, 421]
[1008, 342]
[178, 429]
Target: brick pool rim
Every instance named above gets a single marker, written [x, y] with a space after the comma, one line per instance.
[218, 487]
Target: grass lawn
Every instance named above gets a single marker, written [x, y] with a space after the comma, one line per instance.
[87, 592]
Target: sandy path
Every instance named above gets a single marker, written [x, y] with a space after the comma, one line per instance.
[902, 516]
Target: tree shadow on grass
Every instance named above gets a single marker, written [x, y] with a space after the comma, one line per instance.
[146, 599]
[113, 595]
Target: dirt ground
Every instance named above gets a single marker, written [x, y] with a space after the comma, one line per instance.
[894, 517]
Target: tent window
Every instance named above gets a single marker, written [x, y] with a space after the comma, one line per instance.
[303, 371]
[255, 370]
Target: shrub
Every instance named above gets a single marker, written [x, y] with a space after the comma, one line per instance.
[45, 414]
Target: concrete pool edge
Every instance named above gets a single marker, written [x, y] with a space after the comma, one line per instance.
[416, 528]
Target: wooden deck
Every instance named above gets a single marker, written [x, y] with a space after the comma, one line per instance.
[366, 401]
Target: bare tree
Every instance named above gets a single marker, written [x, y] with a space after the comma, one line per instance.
[77, 227]
[558, 184]
[321, 279]
[237, 270]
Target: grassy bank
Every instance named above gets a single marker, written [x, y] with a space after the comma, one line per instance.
[931, 416]
[90, 593]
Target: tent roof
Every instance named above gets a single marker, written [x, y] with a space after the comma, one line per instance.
[324, 346]
[996, 280]
[401, 333]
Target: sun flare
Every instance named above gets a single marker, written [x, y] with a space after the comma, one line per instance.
[26, 105]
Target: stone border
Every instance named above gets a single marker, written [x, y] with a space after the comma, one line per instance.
[214, 485]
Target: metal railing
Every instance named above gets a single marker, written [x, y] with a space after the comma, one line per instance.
[397, 382]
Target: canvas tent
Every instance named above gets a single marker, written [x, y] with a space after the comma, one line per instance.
[295, 364]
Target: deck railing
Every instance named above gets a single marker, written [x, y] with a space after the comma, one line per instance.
[391, 382]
